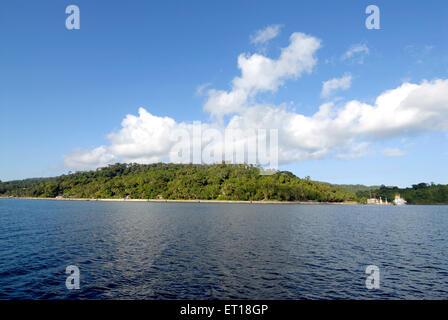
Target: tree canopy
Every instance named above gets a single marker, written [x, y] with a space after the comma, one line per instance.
[179, 181]
[209, 182]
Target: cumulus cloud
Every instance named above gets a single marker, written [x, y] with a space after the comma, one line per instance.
[393, 152]
[88, 159]
[260, 73]
[343, 130]
[406, 110]
[343, 83]
[266, 34]
[142, 138]
[356, 53]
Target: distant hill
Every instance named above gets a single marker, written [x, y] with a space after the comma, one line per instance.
[422, 193]
[179, 181]
[355, 187]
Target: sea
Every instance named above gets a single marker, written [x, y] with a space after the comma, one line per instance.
[53, 249]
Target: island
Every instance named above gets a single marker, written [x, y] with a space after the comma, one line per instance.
[201, 182]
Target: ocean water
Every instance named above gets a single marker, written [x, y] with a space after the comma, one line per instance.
[139, 250]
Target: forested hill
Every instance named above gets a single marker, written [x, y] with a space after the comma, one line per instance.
[178, 181]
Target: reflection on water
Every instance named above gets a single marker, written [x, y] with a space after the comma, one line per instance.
[143, 250]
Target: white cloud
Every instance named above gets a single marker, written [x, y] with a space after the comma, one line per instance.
[260, 73]
[88, 159]
[144, 138]
[356, 53]
[393, 152]
[201, 88]
[344, 131]
[343, 83]
[266, 34]
[354, 151]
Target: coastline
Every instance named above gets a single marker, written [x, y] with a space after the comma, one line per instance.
[218, 201]
[189, 201]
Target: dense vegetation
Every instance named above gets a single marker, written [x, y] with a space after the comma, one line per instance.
[178, 181]
[355, 187]
[422, 193]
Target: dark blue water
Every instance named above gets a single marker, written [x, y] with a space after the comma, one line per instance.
[230, 251]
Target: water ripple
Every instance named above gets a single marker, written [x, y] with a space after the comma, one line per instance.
[221, 251]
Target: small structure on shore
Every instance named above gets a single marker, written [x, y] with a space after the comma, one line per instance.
[399, 201]
[379, 201]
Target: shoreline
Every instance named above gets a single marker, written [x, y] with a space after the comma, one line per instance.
[221, 201]
[190, 201]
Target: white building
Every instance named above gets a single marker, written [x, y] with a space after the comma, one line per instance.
[399, 201]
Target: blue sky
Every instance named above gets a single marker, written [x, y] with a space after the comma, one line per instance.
[64, 91]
